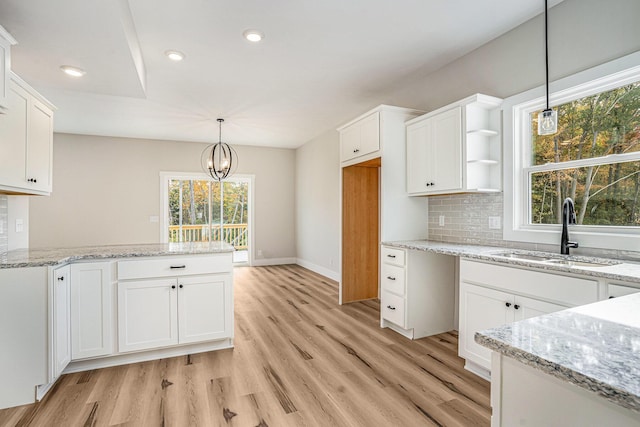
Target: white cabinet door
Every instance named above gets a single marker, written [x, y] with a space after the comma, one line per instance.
[5, 66]
[361, 138]
[446, 137]
[419, 157]
[91, 310]
[526, 308]
[13, 138]
[39, 146]
[61, 321]
[147, 314]
[203, 308]
[481, 308]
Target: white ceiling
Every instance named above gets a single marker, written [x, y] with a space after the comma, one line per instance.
[321, 62]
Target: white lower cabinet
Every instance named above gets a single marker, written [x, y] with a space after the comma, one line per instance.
[165, 312]
[61, 316]
[91, 310]
[492, 295]
[147, 314]
[417, 292]
[484, 308]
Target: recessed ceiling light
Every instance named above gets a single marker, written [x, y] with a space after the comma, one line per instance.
[253, 35]
[73, 71]
[174, 55]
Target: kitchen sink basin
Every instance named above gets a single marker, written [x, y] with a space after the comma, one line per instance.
[572, 263]
[549, 260]
[525, 257]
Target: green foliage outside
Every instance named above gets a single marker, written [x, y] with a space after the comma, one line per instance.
[595, 126]
[199, 204]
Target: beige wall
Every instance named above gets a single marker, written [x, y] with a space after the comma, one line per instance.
[318, 204]
[105, 189]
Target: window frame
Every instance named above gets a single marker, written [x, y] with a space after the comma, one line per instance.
[517, 157]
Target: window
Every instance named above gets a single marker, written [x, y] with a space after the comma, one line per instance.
[594, 158]
[197, 209]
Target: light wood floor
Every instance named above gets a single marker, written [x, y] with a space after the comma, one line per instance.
[300, 359]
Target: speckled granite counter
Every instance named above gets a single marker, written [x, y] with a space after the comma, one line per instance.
[595, 346]
[44, 257]
[624, 271]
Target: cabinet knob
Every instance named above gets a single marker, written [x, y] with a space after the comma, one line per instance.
[61, 278]
[356, 150]
[516, 306]
[173, 286]
[391, 278]
[508, 304]
[181, 286]
[391, 308]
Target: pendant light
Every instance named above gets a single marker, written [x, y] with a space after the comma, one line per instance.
[548, 118]
[220, 159]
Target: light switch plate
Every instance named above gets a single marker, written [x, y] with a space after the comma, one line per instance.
[441, 220]
[494, 222]
[19, 225]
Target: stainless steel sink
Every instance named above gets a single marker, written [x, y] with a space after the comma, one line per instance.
[526, 257]
[571, 263]
[549, 260]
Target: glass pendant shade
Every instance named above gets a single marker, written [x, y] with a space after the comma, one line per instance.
[547, 122]
[219, 160]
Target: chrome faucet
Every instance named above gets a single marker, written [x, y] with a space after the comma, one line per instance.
[568, 217]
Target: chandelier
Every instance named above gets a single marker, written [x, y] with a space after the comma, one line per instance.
[219, 160]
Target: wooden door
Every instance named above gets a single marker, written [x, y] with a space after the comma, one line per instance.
[360, 231]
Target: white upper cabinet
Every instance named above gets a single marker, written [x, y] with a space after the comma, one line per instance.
[456, 148]
[5, 66]
[26, 132]
[361, 138]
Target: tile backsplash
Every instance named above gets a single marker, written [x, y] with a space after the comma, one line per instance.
[4, 223]
[466, 220]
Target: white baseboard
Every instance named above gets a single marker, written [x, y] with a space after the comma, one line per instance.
[144, 356]
[273, 261]
[333, 275]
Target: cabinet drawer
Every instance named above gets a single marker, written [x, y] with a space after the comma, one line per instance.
[174, 266]
[392, 308]
[393, 279]
[570, 291]
[393, 256]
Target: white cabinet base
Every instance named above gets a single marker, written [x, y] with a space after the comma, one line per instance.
[144, 356]
[522, 395]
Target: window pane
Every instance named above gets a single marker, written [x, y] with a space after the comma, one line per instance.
[604, 195]
[235, 213]
[594, 126]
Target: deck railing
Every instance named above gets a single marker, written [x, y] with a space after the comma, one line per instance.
[234, 234]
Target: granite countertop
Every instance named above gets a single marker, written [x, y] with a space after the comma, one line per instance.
[53, 256]
[618, 270]
[594, 346]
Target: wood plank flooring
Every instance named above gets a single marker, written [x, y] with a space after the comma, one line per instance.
[300, 359]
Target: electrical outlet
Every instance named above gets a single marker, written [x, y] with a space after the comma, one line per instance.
[441, 220]
[494, 222]
[331, 262]
[259, 253]
[19, 225]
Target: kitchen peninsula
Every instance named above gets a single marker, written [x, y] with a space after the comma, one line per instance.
[73, 309]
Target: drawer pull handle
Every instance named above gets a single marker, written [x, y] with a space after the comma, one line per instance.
[173, 267]
[356, 150]
[508, 304]
[516, 306]
[391, 308]
[61, 278]
[391, 256]
[391, 278]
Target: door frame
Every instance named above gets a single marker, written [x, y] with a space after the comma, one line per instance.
[164, 203]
